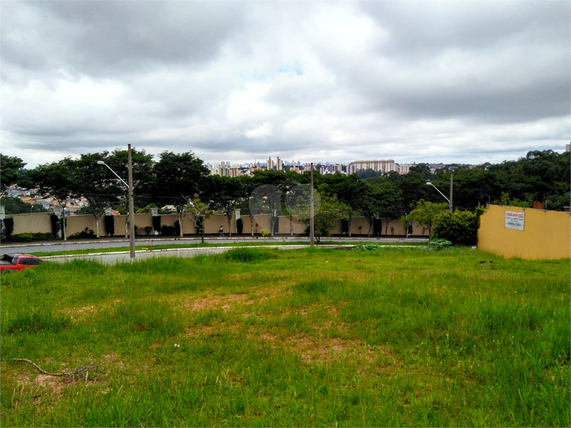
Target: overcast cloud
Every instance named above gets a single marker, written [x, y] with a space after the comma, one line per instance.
[413, 81]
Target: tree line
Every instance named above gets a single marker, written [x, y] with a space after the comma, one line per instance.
[177, 179]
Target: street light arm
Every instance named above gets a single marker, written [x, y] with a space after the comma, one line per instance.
[116, 175]
[430, 184]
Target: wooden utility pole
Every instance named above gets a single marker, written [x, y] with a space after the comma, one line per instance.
[451, 191]
[131, 205]
[311, 212]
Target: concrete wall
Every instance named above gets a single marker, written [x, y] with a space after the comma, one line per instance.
[41, 223]
[32, 223]
[545, 234]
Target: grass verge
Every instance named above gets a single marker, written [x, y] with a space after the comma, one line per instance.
[315, 337]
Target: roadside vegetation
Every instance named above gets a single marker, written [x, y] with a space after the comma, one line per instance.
[314, 337]
[256, 243]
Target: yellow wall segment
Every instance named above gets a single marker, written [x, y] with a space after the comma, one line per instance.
[546, 234]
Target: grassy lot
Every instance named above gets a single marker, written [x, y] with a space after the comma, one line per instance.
[313, 337]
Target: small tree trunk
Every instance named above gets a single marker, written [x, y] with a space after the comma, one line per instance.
[290, 225]
[370, 228]
[349, 224]
[229, 217]
[96, 225]
[252, 224]
[180, 217]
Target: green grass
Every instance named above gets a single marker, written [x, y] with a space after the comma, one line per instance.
[256, 243]
[314, 337]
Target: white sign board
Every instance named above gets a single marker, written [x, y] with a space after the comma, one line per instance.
[514, 220]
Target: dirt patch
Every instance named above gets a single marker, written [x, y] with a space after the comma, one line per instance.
[237, 277]
[79, 313]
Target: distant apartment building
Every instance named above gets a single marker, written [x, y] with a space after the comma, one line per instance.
[270, 164]
[382, 166]
[404, 168]
[330, 169]
[279, 166]
[568, 147]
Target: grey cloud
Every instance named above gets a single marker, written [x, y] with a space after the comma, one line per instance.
[100, 38]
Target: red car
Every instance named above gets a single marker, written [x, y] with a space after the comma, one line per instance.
[17, 262]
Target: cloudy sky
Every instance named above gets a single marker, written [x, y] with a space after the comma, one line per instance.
[413, 81]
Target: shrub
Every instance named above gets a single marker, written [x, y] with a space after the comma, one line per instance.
[168, 230]
[460, 228]
[84, 234]
[7, 228]
[31, 236]
[438, 244]
[157, 223]
[264, 233]
[109, 225]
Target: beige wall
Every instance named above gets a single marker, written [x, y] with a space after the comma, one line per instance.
[546, 234]
[41, 223]
[32, 223]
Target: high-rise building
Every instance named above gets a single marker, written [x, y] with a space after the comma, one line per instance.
[383, 166]
[270, 164]
[279, 164]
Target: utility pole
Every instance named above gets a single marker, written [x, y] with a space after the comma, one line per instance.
[131, 205]
[311, 212]
[451, 191]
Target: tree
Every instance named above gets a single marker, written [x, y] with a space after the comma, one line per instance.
[348, 189]
[460, 228]
[143, 179]
[17, 206]
[55, 180]
[426, 213]
[225, 195]
[177, 178]
[10, 167]
[327, 218]
[94, 182]
[198, 212]
[381, 201]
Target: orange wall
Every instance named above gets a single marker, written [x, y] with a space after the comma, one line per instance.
[546, 234]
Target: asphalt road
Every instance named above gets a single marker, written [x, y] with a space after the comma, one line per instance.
[55, 246]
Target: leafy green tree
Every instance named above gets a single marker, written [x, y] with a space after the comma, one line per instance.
[426, 213]
[10, 170]
[460, 228]
[198, 212]
[348, 189]
[177, 178]
[225, 195]
[95, 182]
[17, 206]
[382, 201]
[327, 218]
[55, 180]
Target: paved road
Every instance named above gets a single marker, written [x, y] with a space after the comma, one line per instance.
[53, 246]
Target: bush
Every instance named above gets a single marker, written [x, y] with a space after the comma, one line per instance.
[7, 228]
[460, 228]
[29, 237]
[168, 230]
[264, 233]
[438, 244]
[157, 223]
[84, 234]
[109, 225]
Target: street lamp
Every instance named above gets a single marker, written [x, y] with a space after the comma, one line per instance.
[129, 187]
[449, 200]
